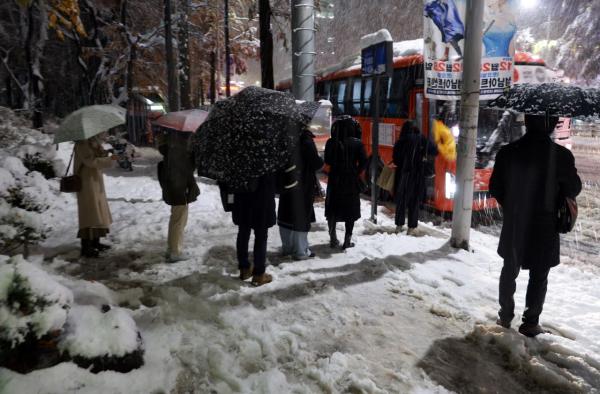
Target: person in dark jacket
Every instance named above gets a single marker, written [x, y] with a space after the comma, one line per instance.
[410, 154]
[179, 188]
[296, 213]
[254, 210]
[346, 157]
[530, 176]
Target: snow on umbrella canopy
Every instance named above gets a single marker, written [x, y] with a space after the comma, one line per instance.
[185, 121]
[89, 121]
[554, 99]
[249, 135]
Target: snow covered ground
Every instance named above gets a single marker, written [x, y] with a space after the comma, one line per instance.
[394, 314]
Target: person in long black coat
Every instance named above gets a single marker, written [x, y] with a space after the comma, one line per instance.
[409, 155]
[254, 210]
[346, 156]
[295, 212]
[530, 176]
[179, 188]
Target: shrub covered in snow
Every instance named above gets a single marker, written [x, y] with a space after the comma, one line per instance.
[32, 303]
[24, 196]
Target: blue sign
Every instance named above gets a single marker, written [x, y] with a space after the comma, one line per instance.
[377, 59]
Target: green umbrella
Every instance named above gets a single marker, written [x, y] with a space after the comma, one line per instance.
[89, 121]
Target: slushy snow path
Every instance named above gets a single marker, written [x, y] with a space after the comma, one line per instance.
[395, 314]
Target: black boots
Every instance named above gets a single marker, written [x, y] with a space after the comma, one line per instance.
[88, 249]
[92, 247]
[333, 241]
[101, 247]
[348, 241]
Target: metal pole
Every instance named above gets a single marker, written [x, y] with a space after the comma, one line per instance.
[303, 49]
[469, 113]
[227, 52]
[375, 150]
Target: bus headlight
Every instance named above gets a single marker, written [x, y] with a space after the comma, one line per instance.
[450, 187]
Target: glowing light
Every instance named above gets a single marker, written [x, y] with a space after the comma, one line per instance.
[528, 4]
[455, 131]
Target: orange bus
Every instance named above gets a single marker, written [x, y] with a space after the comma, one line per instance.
[402, 98]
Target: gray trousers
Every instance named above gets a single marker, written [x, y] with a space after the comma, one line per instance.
[534, 299]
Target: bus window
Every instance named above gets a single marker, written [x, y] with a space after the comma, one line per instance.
[326, 90]
[399, 96]
[366, 97]
[383, 97]
[356, 87]
[341, 94]
[319, 91]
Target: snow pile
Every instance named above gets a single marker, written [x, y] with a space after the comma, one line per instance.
[408, 48]
[382, 35]
[31, 302]
[29, 145]
[92, 333]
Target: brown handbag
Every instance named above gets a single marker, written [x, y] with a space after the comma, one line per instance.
[72, 183]
[567, 215]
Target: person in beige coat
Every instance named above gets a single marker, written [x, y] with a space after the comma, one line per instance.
[92, 206]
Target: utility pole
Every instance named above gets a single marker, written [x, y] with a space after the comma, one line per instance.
[171, 74]
[303, 49]
[266, 44]
[469, 114]
[227, 52]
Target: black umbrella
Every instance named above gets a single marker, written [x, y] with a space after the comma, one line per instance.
[249, 135]
[554, 99]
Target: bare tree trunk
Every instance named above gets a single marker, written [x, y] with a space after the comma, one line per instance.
[171, 72]
[227, 51]
[201, 92]
[9, 96]
[266, 44]
[185, 84]
[213, 77]
[33, 48]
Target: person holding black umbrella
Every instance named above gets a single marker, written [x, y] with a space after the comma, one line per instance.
[530, 177]
[346, 157]
[295, 212]
[254, 210]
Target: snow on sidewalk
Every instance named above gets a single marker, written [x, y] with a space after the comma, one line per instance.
[371, 319]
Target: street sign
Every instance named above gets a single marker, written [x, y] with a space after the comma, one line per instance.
[377, 59]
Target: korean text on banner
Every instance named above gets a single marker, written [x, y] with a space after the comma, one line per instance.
[444, 30]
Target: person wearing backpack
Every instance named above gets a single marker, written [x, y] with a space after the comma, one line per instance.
[530, 177]
[346, 157]
[410, 155]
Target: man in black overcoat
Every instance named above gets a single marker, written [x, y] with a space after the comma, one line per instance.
[529, 178]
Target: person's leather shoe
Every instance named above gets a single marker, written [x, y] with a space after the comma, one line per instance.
[531, 330]
[503, 323]
[246, 273]
[259, 280]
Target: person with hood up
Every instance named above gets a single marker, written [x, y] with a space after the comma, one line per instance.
[346, 157]
[530, 176]
[295, 212]
[409, 155]
[179, 188]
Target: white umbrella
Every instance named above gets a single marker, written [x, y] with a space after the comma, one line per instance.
[89, 121]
